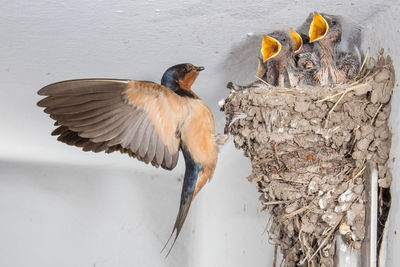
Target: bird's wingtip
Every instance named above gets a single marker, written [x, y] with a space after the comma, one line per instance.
[42, 91]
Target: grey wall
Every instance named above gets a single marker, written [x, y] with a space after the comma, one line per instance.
[62, 207]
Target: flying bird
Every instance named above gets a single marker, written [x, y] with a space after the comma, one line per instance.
[146, 120]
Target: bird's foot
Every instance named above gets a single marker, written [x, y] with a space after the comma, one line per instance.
[220, 139]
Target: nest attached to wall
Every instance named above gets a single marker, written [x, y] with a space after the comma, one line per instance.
[309, 147]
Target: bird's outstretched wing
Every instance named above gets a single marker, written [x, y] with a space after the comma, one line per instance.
[135, 117]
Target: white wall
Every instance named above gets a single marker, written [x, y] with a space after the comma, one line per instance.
[62, 207]
[382, 30]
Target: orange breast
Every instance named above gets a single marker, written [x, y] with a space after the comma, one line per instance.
[189, 79]
[197, 133]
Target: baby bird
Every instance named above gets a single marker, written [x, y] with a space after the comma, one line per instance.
[306, 60]
[306, 57]
[278, 62]
[335, 68]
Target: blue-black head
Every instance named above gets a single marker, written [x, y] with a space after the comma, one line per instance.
[180, 77]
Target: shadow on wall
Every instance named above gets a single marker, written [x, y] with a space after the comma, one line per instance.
[241, 64]
[63, 215]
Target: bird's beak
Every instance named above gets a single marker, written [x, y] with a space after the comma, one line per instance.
[318, 28]
[297, 41]
[199, 68]
[270, 47]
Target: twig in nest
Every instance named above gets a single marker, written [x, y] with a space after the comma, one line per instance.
[359, 173]
[307, 251]
[267, 225]
[376, 113]
[363, 64]
[263, 81]
[283, 260]
[327, 237]
[332, 230]
[277, 202]
[341, 97]
[329, 97]
[355, 86]
[352, 87]
[302, 244]
[338, 101]
[277, 89]
[275, 255]
[276, 155]
[294, 213]
[237, 116]
[334, 106]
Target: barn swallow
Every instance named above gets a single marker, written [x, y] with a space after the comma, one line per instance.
[303, 50]
[266, 71]
[349, 63]
[278, 57]
[326, 31]
[146, 120]
[306, 61]
[296, 41]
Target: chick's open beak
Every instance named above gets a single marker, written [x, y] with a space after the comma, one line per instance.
[318, 28]
[297, 41]
[270, 47]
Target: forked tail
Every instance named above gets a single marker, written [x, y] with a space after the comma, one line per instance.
[189, 184]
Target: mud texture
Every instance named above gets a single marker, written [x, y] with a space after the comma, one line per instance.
[309, 148]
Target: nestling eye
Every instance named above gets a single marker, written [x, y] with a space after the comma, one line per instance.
[333, 22]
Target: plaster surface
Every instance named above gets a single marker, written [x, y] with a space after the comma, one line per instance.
[63, 207]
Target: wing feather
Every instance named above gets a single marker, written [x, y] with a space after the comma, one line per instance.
[112, 132]
[159, 158]
[79, 108]
[93, 120]
[103, 128]
[144, 145]
[84, 115]
[134, 117]
[65, 101]
[139, 135]
[83, 87]
[151, 151]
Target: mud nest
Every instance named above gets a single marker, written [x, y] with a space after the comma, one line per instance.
[309, 149]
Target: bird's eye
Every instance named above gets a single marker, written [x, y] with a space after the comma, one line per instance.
[333, 22]
[284, 40]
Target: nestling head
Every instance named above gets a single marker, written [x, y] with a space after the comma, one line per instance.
[325, 28]
[275, 45]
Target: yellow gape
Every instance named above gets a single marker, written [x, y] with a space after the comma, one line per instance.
[318, 28]
[297, 41]
[270, 47]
